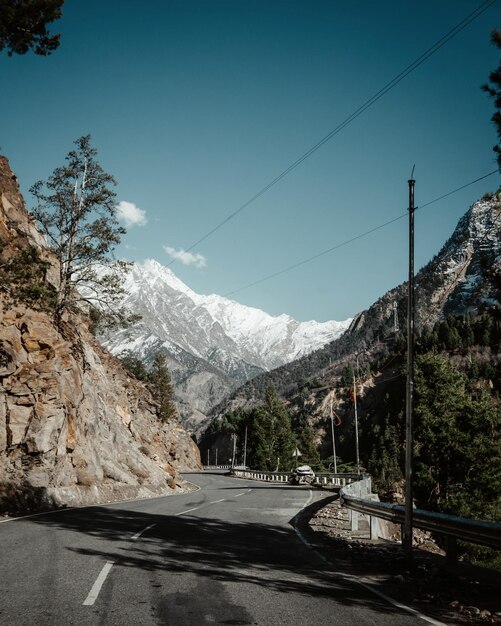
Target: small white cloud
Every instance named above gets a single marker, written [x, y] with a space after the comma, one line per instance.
[131, 214]
[186, 258]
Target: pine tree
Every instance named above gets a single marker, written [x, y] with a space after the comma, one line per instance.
[494, 90]
[306, 445]
[272, 440]
[23, 26]
[133, 364]
[458, 445]
[161, 388]
[76, 212]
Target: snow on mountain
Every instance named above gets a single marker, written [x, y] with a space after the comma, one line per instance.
[463, 277]
[212, 345]
[469, 263]
[215, 328]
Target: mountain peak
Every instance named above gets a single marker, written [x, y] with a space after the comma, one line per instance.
[210, 342]
[200, 323]
[153, 272]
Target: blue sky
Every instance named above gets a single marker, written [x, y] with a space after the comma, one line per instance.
[194, 106]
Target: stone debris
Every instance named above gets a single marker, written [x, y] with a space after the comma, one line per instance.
[453, 596]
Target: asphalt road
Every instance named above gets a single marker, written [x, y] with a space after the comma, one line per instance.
[225, 554]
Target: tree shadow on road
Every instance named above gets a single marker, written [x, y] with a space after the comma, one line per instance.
[211, 548]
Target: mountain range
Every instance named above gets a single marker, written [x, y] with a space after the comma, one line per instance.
[464, 277]
[212, 344]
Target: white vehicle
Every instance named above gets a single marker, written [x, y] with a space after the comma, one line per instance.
[303, 474]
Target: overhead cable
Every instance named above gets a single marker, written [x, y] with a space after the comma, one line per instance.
[361, 109]
[352, 239]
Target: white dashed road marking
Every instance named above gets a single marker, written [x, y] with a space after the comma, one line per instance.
[96, 587]
[137, 535]
[187, 511]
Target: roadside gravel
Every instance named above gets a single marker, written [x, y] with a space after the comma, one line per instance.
[459, 594]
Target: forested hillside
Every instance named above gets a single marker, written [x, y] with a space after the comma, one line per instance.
[457, 418]
[465, 276]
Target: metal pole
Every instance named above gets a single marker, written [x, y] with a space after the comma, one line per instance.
[245, 448]
[407, 538]
[356, 421]
[333, 442]
[216, 457]
[208, 458]
[234, 450]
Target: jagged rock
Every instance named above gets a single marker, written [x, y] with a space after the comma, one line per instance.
[473, 610]
[74, 427]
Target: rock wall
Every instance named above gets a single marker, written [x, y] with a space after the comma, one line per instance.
[75, 428]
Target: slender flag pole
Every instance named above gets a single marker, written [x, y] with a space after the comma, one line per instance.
[245, 449]
[234, 450]
[333, 441]
[407, 535]
[357, 450]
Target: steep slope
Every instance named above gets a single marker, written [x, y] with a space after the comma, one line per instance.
[213, 345]
[465, 276]
[74, 427]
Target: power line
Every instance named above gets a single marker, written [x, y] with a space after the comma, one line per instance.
[456, 190]
[361, 109]
[355, 238]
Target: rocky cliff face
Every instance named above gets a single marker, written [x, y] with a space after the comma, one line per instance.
[74, 427]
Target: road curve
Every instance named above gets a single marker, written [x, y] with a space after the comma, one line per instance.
[225, 554]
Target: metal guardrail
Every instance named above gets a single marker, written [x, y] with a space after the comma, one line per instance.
[320, 480]
[450, 526]
[280, 477]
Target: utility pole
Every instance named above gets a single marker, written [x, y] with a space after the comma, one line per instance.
[356, 420]
[216, 457]
[245, 448]
[208, 458]
[333, 441]
[407, 536]
[234, 450]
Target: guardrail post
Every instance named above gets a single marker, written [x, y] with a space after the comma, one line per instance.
[354, 520]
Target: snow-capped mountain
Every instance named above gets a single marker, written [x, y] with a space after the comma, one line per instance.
[213, 344]
[213, 328]
[471, 259]
[464, 277]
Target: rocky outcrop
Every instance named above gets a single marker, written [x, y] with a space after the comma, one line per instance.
[75, 428]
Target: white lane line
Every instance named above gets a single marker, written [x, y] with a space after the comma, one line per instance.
[62, 510]
[216, 501]
[96, 587]
[187, 511]
[308, 501]
[367, 584]
[242, 494]
[141, 532]
[100, 504]
[398, 604]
